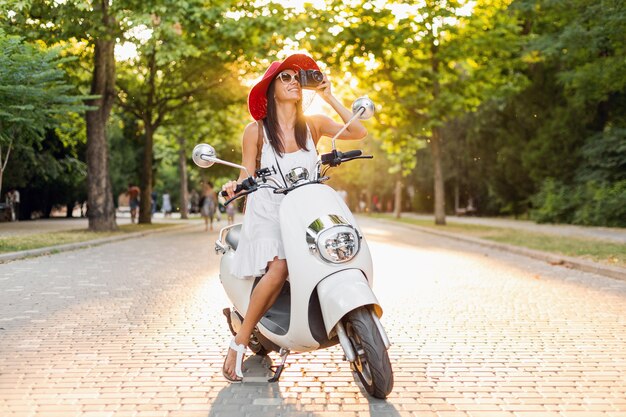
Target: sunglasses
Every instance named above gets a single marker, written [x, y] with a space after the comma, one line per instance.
[287, 78]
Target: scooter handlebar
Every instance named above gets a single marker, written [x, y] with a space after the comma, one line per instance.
[247, 184]
[237, 189]
[352, 154]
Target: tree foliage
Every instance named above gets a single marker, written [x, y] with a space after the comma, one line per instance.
[34, 95]
[512, 106]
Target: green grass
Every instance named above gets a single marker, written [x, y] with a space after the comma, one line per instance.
[42, 240]
[596, 250]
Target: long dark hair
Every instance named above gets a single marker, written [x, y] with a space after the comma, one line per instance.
[274, 132]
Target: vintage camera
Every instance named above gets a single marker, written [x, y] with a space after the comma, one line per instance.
[310, 78]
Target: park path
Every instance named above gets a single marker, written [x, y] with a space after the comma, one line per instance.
[134, 328]
[613, 234]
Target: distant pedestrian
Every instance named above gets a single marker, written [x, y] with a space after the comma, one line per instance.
[194, 202]
[376, 204]
[133, 200]
[153, 202]
[362, 205]
[167, 204]
[230, 213]
[16, 204]
[209, 204]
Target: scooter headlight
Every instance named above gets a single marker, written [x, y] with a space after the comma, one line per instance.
[334, 239]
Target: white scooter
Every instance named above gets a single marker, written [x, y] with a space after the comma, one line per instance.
[328, 296]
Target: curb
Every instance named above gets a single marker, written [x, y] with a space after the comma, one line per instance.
[614, 272]
[50, 250]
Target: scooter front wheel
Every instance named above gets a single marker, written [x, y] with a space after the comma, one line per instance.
[372, 363]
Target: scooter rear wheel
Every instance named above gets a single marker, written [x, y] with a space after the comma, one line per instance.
[372, 363]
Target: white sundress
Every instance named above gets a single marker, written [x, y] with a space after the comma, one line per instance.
[260, 240]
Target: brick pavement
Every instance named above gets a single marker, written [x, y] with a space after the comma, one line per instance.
[475, 332]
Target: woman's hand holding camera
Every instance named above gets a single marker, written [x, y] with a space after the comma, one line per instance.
[324, 89]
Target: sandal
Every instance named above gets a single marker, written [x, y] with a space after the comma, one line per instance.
[240, 350]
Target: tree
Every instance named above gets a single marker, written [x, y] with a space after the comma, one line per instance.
[97, 24]
[431, 62]
[182, 64]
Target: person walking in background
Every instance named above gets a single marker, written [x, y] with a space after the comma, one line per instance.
[209, 204]
[133, 201]
[362, 204]
[194, 201]
[8, 199]
[16, 204]
[167, 204]
[230, 213]
[153, 203]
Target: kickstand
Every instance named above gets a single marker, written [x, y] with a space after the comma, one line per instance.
[279, 369]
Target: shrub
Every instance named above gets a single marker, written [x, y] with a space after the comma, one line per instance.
[591, 203]
[553, 203]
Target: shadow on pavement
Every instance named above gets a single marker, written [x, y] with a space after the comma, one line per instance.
[378, 407]
[255, 396]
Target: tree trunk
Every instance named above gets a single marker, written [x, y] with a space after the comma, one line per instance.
[150, 126]
[435, 143]
[457, 198]
[182, 165]
[397, 204]
[3, 164]
[145, 205]
[101, 208]
[440, 202]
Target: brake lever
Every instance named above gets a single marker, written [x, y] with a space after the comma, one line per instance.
[358, 157]
[245, 193]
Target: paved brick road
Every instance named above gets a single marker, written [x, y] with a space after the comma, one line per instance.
[134, 328]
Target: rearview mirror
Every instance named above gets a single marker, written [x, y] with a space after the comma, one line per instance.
[203, 155]
[364, 107]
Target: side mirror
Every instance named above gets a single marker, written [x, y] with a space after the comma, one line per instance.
[363, 107]
[203, 155]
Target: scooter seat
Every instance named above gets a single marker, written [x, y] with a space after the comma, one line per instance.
[232, 238]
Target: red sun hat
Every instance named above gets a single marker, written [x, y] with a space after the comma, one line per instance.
[257, 100]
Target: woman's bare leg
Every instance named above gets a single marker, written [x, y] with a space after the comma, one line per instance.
[262, 298]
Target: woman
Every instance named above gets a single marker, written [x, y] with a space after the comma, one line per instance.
[209, 203]
[288, 140]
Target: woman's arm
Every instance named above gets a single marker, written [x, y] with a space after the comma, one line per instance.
[325, 126]
[248, 157]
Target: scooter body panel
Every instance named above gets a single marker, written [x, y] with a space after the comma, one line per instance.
[298, 210]
[343, 292]
[238, 290]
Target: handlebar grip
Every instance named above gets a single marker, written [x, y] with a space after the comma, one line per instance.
[237, 189]
[352, 154]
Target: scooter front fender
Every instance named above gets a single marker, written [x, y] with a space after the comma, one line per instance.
[341, 293]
